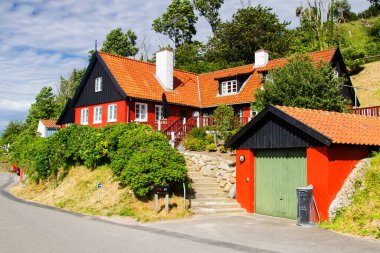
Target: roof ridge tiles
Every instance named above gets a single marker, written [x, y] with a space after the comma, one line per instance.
[148, 63]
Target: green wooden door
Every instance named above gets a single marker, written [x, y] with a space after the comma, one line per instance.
[278, 172]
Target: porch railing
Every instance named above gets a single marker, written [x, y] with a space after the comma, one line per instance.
[210, 121]
[373, 111]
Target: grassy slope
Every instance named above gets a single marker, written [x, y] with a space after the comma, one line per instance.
[363, 216]
[369, 79]
[78, 192]
[359, 36]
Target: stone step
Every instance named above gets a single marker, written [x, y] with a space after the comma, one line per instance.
[208, 211]
[207, 187]
[209, 195]
[194, 174]
[198, 192]
[215, 205]
[203, 180]
[213, 200]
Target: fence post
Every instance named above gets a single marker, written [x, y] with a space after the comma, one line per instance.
[159, 125]
[198, 123]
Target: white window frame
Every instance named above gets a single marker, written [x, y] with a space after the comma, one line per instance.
[84, 116]
[229, 87]
[97, 115]
[98, 84]
[158, 108]
[112, 113]
[138, 115]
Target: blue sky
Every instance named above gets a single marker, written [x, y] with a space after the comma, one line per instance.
[41, 40]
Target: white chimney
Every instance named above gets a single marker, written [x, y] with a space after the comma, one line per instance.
[261, 58]
[164, 68]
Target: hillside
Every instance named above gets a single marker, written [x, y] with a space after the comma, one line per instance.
[363, 216]
[355, 33]
[78, 192]
[368, 83]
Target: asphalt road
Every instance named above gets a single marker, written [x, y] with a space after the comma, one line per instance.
[30, 227]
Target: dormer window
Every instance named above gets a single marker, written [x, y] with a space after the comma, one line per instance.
[98, 84]
[229, 87]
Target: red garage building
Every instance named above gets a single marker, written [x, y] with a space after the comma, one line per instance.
[284, 148]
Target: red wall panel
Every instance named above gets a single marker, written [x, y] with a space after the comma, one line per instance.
[317, 175]
[121, 114]
[244, 187]
[342, 160]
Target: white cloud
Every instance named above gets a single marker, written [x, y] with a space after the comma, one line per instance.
[41, 40]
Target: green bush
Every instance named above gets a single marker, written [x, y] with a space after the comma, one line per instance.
[222, 149]
[194, 144]
[155, 164]
[353, 58]
[139, 156]
[224, 118]
[211, 147]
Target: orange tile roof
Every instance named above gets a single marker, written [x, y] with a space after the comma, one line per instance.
[138, 80]
[209, 86]
[341, 128]
[48, 123]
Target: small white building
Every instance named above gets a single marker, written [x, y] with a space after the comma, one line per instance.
[47, 127]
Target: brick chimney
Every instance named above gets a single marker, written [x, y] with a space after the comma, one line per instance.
[261, 58]
[164, 68]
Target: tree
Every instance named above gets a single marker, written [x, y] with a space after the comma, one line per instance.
[374, 2]
[313, 19]
[209, 9]
[341, 10]
[251, 28]
[303, 83]
[43, 108]
[13, 129]
[191, 57]
[177, 22]
[224, 119]
[67, 87]
[119, 43]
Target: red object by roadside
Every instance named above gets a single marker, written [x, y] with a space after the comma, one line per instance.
[14, 168]
[21, 174]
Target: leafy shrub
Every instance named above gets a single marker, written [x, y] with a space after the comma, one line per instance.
[154, 164]
[353, 58]
[139, 156]
[224, 118]
[222, 149]
[374, 31]
[198, 133]
[211, 147]
[198, 139]
[194, 144]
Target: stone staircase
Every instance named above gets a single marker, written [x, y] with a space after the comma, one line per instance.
[208, 198]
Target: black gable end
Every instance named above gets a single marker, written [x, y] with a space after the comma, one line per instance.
[87, 95]
[274, 132]
[272, 128]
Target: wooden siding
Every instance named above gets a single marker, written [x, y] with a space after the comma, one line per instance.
[88, 96]
[274, 132]
[278, 172]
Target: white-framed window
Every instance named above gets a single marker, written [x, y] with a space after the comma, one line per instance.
[84, 116]
[98, 84]
[141, 111]
[159, 114]
[98, 114]
[112, 113]
[229, 87]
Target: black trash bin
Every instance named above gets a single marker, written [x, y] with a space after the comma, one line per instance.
[305, 210]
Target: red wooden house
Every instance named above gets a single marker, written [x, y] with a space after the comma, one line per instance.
[120, 89]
